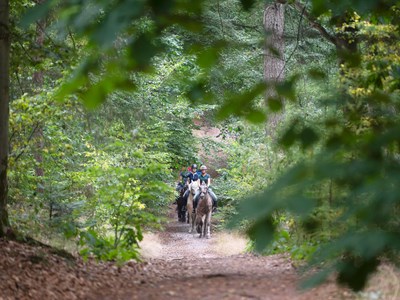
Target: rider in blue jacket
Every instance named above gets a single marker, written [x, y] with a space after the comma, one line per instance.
[192, 176]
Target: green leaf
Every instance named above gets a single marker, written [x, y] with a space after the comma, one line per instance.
[308, 137]
[317, 279]
[354, 271]
[256, 116]
[353, 59]
[240, 104]
[142, 50]
[116, 20]
[289, 137]
[286, 89]
[275, 104]
[262, 233]
[207, 58]
[39, 11]
[197, 93]
[319, 7]
[247, 4]
[316, 74]
[300, 205]
[162, 6]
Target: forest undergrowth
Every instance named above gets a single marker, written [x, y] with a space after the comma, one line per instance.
[293, 106]
[174, 264]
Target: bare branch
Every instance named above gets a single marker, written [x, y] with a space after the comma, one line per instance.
[27, 142]
[297, 41]
[301, 8]
[244, 26]
[19, 81]
[220, 19]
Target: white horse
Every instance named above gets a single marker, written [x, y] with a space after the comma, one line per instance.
[203, 212]
[193, 186]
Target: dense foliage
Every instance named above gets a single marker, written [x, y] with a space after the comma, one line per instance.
[104, 175]
[325, 183]
[342, 189]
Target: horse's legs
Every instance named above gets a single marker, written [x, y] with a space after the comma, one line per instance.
[205, 225]
[183, 214]
[190, 221]
[208, 226]
[178, 208]
[193, 222]
[201, 227]
[189, 208]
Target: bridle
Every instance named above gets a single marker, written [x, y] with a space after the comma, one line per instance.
[205, 192]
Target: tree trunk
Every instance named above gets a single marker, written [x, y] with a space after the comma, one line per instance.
[274, 21]
[38, 80]
[4, 111]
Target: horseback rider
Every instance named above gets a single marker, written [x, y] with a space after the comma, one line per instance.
[192, 176]
[184, 175]
[206, 179]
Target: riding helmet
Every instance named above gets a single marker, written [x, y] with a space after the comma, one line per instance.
[203, 167]
[194, 166]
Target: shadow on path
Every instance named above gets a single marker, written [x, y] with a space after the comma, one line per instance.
[187, 267]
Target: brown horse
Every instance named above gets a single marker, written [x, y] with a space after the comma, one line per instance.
[203, 213]
[193, 186]
[180, 201]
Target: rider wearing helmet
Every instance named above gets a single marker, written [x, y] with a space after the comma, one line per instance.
[192, 176]
[184, 174]
[206, 179]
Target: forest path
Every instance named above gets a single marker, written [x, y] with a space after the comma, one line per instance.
[182, 266]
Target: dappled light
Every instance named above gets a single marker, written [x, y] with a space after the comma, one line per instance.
[185, 149]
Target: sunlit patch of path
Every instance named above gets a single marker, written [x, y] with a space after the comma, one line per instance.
[176, 243]
[180, 265]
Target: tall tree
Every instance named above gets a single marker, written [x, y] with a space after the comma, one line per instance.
[38, 80]
[4, 111]
[274, 21]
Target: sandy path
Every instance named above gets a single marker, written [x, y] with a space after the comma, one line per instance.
[182, 266]
[176, 243]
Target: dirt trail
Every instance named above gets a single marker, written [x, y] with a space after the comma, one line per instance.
[182, 266]
[175, 243]
[177, 265]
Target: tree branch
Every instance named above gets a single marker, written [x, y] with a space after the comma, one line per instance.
[297, 41]
[72, 39]
[19, 82]
[220, 19]
[325, 34]
[26, 51]
[243, 26]
[27, 142]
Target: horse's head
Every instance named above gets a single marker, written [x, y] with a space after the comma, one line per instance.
[194, 186]
[181, 189]
[203, 190]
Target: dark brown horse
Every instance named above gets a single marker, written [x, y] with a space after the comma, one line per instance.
[181, 204]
